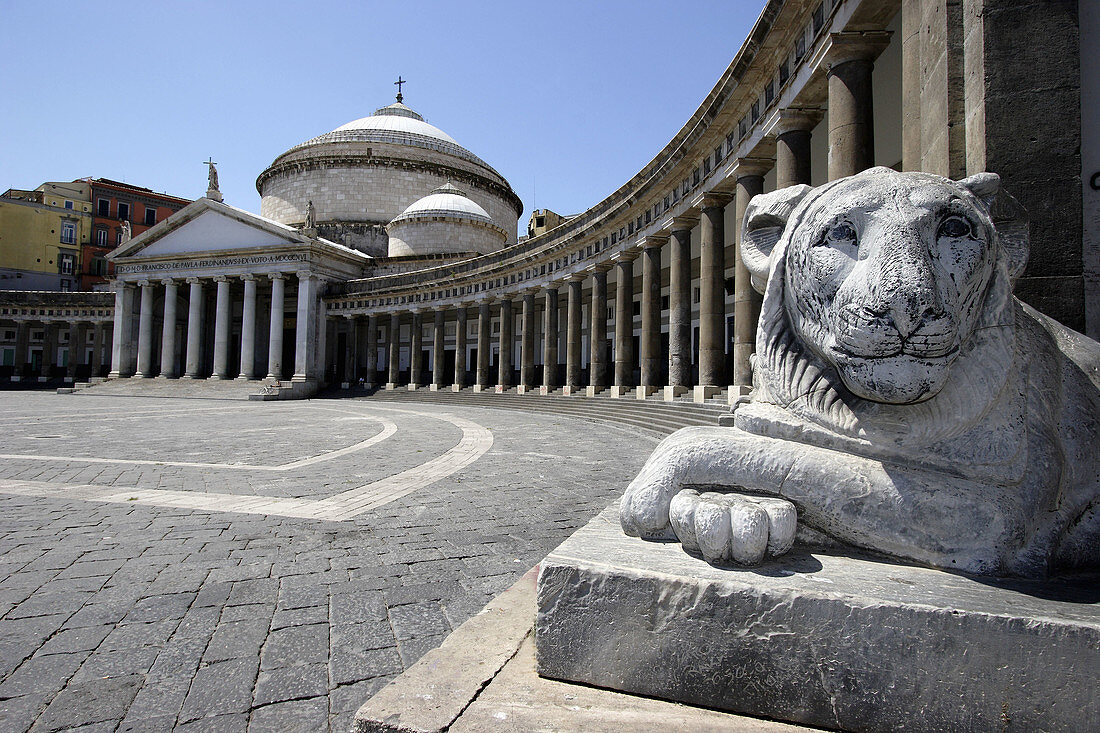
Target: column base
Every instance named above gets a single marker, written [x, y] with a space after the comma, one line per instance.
[674, 391]
[704, 392]
[345, 385]
[222, 378]
[43, 379]
[390, 386]
[501, 388]
[166, 376]
[192, 376]
[592, 390]
[568, 390]
[620, 390]
[456, 387]
[737, 391]
[545, 390]
[481, 387]
[644, 392]
[245, 378]
[413, 387]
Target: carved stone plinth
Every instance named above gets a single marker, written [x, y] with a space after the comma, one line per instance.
[830, 641]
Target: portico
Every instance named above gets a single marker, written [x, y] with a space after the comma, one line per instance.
[208, 290]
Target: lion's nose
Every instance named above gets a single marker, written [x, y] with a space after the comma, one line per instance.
[906, 292]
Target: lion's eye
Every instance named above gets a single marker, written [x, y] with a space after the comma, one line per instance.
[842, 232]
[954, 227]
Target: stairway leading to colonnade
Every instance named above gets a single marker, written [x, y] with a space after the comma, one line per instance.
[651, 416]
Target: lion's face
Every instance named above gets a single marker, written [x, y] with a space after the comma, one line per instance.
[885, 277]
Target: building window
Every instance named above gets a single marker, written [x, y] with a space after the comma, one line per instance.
[99, 266]
[666, 203]
[150, 216]
[66, 264]
[104, 207]
[717, 156]
[742, 128]
[729, 143]
[68, 232]
[819, 18]
[800, 49]
[101, 237]
[69, 205]
[123, 211]
[769, 93]
[784, 73]
[118, 237]
[696, 176]
[756, 110]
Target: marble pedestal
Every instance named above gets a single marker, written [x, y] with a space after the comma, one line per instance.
[824, 640]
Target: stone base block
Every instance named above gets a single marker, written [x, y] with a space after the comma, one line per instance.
[592, 390]
[524, 389]
[64, 390]
[544, 390]
[672, 393]
[345, 385]
[501, 388]
[391, 386]
[833, 641]
[642, 393]
[433, 388]
[413, 387]
[567, 390]
[456, 387]
[480, 388]
[618, 391]
[703, 392]
[43, 379]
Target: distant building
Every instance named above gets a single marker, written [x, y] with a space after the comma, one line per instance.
[41, 235]
[542, 221]
[114, 202]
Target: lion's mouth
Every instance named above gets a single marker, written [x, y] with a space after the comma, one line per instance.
[867, 336]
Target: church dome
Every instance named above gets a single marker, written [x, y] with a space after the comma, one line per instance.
[366, 173]
[444, 221]
[445, 201]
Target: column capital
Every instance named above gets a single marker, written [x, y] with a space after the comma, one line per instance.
[715, 200]
[168, 282]
[248, 276]
[627, 255]
[684, 222]
[220, 278]
[854, 46]
[350, 316]
[276, 275]
[576, 277]
[599, 267]
[194, 281]
[791, 119]
[744, 167]
[654, 241]
[145, 282]
[532, 291]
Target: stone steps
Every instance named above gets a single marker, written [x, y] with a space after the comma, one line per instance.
[653, 417]
[230, 389]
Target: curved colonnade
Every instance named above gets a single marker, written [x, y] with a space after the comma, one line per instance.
[657, 259]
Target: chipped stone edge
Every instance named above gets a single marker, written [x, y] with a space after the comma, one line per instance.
[430, 695]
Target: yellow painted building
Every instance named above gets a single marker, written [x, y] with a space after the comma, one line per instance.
[41, 233]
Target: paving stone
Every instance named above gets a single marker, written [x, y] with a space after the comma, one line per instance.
[156, 608]
[221, 688]
[294, 646]
[232, 723]
[120, 663]
[299, 617]
[18, 713]
[47, 673]
[299, 716]
[236, 639]
[88, 702]
[291, 683]
[417, 620]
[413, 649]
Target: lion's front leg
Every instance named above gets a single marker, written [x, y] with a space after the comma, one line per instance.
[721, 525]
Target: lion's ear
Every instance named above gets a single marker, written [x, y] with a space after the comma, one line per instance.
[765, 219]
[1009, 218]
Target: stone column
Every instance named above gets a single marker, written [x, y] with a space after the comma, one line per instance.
[792, 146]
[168, 331]
[305, 334]
[484, 333]
[624, 323]
[527, 344]
[221, 329]
[351, 354]
[394, 351]
[573, 337]
[99, 343]
[550, 341]
[650, 357]
[371, 377]
[416, 350]
[506, 345]
[248, 329]
[78, 336]
[679, 309]
[746, 301]
[122, 346]
[850, 60]
[438, 346]
[49, 350]
[275, 327]
[712, 297]
[597, 332]
[145, 331]
[461, 327]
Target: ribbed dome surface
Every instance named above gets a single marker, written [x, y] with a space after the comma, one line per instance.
[445, 201]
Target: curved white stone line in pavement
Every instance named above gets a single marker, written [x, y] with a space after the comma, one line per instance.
[388, 430]
[476, 440]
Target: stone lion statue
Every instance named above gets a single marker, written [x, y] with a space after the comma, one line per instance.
[904, 401]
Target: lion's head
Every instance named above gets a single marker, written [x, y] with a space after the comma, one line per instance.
[887, 306]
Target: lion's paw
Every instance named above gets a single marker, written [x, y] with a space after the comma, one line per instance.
[728, 526]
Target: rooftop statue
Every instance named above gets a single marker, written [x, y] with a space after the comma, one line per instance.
[311, 215]
[904, 401]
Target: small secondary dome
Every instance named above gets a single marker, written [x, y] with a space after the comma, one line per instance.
[445, 201]
[444, 221]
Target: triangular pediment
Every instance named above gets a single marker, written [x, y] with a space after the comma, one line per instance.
[208, 226]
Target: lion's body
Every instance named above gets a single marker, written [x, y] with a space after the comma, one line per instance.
[904, 401]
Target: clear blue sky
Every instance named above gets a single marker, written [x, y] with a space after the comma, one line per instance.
[566, 99]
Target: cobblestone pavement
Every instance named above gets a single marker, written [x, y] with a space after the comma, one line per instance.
[177, 586]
